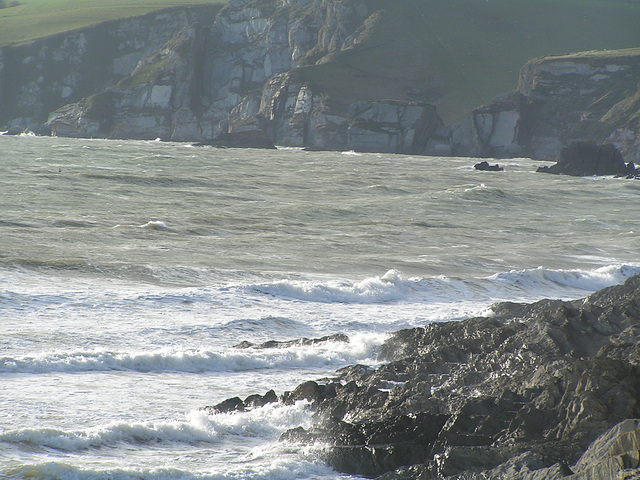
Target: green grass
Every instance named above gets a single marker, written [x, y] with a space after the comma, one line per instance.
[462, 53]
[39, 18]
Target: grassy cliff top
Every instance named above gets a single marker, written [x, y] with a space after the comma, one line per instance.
[32, 19]
[592, 55]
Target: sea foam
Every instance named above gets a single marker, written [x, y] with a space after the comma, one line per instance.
[393, 286]
[361, 348]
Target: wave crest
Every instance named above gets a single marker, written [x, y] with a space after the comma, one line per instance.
[361, 348]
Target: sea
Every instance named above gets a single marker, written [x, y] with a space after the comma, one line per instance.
[130, 272]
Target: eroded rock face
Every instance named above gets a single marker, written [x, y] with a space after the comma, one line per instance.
[522, 394]
[245, 72]
[153, 102]
[564, 99]
[41, 77]
[234, 77]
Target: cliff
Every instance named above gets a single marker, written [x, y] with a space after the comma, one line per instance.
[592, 96]
[334, 74]
[38, 78]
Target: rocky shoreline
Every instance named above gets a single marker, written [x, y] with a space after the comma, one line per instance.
[546, 390]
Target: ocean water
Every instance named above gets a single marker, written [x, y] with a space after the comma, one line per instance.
[129, 272]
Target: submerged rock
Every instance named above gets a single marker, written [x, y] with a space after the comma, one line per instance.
[588, 158]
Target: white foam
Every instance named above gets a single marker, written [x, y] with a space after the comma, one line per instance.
[150, 225]
[111, 435]
[284, 466]
[552, 283]
[386, 288]
[526, 284]
[360, 349]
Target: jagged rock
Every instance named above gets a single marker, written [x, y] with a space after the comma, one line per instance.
[254, 66]
[153, 102]
[234, 404]
[519, 395]
[484, 166]
[337, 337]
[588, 158]
[496, 126]
[260, 400]
[391, 127]
[531, 393]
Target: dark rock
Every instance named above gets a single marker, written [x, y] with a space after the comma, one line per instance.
[522, 394]
[310, 391]
[261, 400]
[234, 404]
[40, 130]
[337, 337]
[524, 391]
[588, 158]
[485, 166]
[14, 131]
[246, 139]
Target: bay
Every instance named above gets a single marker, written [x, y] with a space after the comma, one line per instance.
[129, 272]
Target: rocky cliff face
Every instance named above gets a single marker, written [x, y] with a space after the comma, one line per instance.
[154, 101]
[37, 78]
[237, 73]
[591, 96]
[243, 73]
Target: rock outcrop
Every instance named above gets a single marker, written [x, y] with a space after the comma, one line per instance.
[588, 158]
[153, 102]
[40, 77]
[547, 390]
[204, 83]
[592, 96]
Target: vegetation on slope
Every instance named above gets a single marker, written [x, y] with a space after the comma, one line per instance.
[31, 19]
[460, 54]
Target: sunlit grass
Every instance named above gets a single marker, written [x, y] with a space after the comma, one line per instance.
[38, 18]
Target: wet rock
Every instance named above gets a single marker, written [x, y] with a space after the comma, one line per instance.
[535, 392]
[337, 337]
[485, 166]
[261, 400]
[519, 395]
[589, 158]
[234, 404]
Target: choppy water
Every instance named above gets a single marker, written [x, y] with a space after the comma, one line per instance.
[129, 270]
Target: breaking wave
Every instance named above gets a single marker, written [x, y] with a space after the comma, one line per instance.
[361, 348]
[530, 284]
[196, 428]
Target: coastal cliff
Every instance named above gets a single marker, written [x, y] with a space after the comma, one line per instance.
[562, 99]
[547, 390]
[40, 77]
[322, 74]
